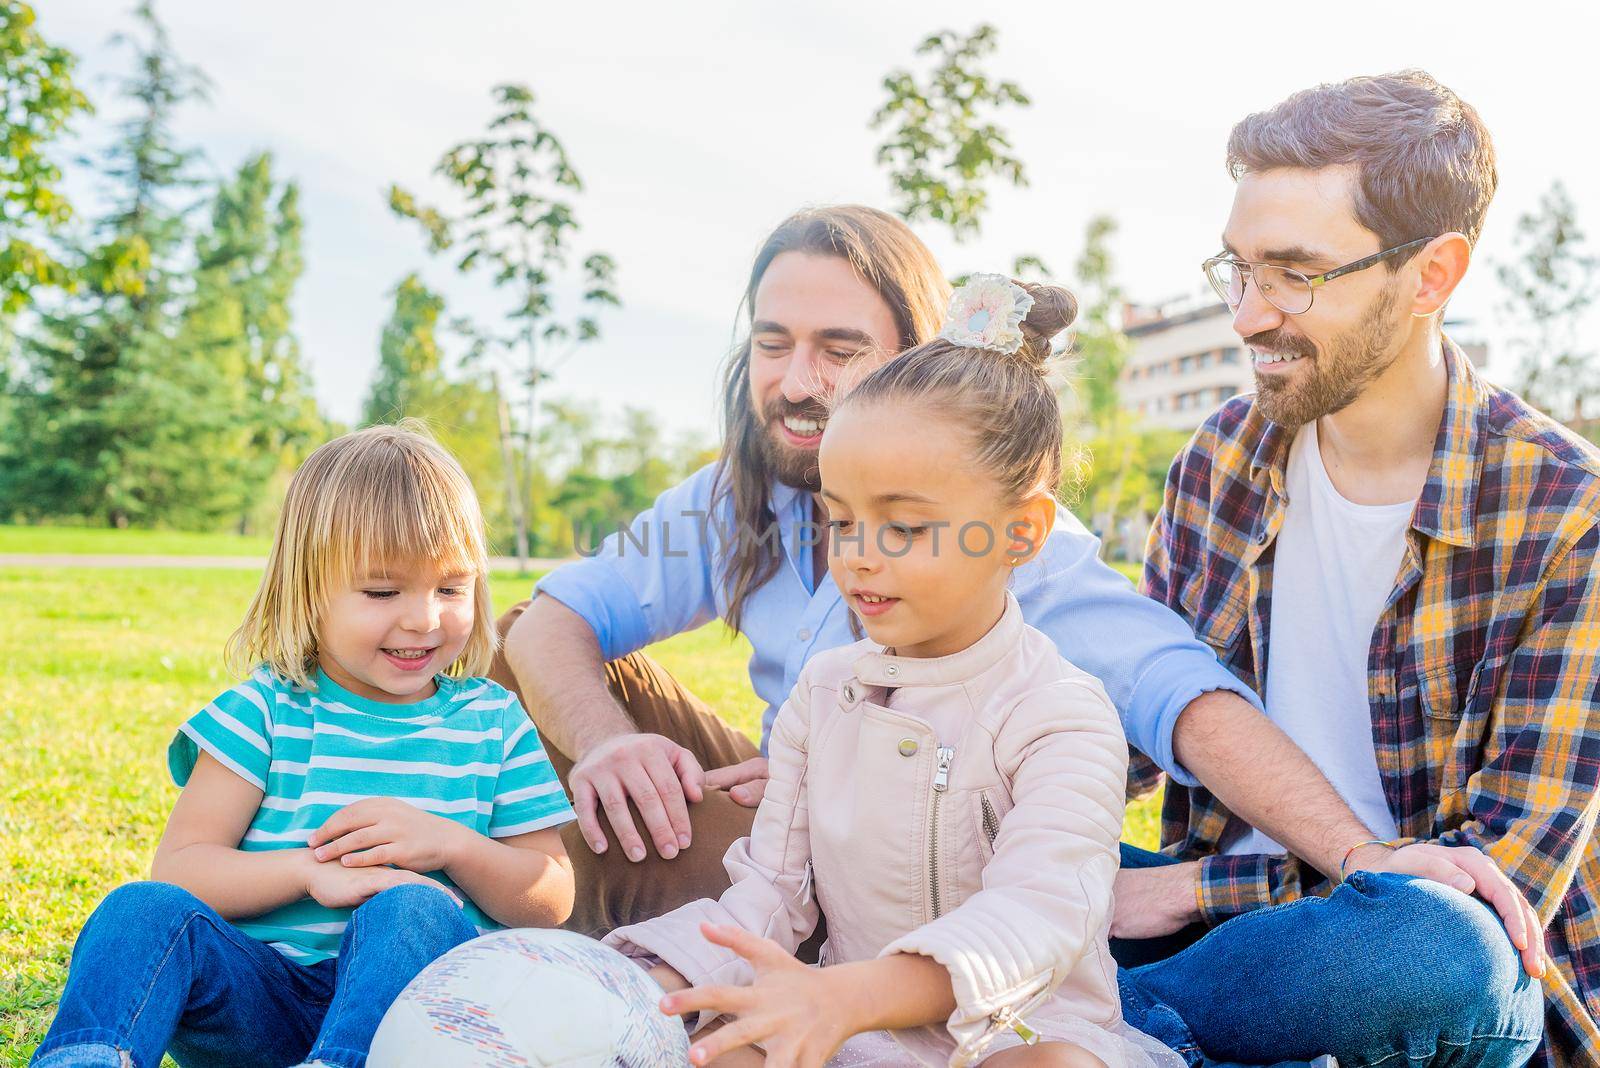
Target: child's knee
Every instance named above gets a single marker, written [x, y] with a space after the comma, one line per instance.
[419, 913]
[135, 914]
[1045, 1055]
[145, 903]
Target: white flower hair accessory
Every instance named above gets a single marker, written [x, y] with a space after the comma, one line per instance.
[987, 313]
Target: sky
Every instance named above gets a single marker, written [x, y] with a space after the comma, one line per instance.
[698, 126]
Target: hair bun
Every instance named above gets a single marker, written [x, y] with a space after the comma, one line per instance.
[1054, 309]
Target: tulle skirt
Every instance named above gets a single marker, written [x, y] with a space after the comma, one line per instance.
[1119, 1046]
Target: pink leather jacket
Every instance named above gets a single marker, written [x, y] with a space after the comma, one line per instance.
[966, 808]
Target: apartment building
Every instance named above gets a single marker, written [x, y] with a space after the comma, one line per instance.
[1185, 361]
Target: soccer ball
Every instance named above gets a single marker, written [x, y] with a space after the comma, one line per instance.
[530, 998]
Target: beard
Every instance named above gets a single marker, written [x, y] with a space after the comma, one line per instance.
[787, 464]
[1330, 382]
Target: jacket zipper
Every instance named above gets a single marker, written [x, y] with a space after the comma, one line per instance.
[991, 820]
[1007, 1017]
[941, 783]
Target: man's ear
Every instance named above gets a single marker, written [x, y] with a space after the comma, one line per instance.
[1028, 526]
[1443, 263]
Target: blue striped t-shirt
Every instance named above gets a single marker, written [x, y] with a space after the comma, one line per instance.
[469, 753]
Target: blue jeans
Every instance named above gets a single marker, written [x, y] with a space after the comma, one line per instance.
[1387, 970]
[157, 969]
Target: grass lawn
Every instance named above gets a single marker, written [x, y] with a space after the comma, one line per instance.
[97, 668]
[90, 540]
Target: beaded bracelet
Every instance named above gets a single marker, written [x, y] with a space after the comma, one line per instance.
[1348, 853]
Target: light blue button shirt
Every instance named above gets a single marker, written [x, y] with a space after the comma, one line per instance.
[662, 576]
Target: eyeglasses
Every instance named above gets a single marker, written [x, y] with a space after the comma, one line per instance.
[1288, 290]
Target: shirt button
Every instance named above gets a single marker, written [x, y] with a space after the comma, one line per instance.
[849, 692]
[892, 670]
[803, 634]
[1261, 536]
[908, 747]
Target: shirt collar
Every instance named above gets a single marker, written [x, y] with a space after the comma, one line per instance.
[789, 512]
[782, 498]
[1449, 499]
[881, 668]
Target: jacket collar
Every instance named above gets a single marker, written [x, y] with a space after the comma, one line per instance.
[880, 667]
[1449, 499]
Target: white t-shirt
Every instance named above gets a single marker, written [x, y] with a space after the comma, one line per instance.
[1334, 566]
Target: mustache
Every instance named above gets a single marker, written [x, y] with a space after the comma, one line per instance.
[780, 407]
[1280, 341]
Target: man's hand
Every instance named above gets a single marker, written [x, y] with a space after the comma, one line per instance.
[795, 1012]
[746, 782]
[1152, 902]
[659, 775]
[334, 886]
[383, 831]
[1470, 871]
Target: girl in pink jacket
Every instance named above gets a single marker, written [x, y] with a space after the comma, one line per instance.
[948, 791]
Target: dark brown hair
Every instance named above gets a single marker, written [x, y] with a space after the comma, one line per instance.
[888, 257]
[1425, 159]
[1007, 403]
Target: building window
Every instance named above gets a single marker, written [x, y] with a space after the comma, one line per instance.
[1230, 355]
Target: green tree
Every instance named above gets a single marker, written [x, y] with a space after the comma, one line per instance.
[109, 412]
[943, 146]
[463, 413]
[410, 367]
[1121, 467]
[606, 479]
[1548, 289]
[519, 224]
[237, 326]
[1099, 343]
[1121, 480]
[40, 100]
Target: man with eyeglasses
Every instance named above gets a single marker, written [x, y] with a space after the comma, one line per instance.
[1401, 559]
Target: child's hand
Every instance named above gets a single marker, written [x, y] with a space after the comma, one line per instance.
[668, 978]
[381, 830]
[335, 886]
[792, 1010]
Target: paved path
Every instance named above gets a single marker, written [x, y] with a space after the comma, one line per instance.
[237, 563]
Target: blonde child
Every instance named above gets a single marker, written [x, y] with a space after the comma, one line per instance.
[948, 791]
[358, 806]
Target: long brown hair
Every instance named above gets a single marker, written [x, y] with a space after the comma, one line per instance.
[888, 257]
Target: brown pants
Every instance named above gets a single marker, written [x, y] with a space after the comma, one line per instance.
[613, 890]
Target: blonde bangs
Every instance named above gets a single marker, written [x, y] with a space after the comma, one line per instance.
[384, 501]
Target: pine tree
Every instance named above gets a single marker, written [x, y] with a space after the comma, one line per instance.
[237, 329]
[110, 407]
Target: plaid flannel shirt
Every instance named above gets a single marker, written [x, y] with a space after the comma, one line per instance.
[1483, 673]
